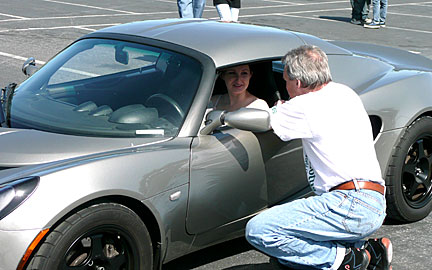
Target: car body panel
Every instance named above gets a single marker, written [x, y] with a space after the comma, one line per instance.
[27, 147]
[400, 59]
[74, 182]
[17, 243]
[222, 166]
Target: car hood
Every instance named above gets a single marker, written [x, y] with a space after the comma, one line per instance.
[20, 147]
[400, 59]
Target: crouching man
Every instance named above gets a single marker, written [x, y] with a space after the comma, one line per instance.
[326, 231]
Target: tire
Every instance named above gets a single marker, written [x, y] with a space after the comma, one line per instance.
[104, 236]
[408, 178]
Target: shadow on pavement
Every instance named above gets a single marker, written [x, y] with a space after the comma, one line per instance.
[339, 19]
[219, 252]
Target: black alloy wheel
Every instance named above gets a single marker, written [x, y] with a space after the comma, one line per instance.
[409, 174]
[105, 247]
[105, 236]
[416, 173]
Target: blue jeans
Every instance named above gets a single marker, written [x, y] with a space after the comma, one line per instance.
[308, 233]
[379, 10]
[191, 8]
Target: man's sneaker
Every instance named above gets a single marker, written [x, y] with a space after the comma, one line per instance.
[372, 25]
[382, 24]
[381, 252]
[355, 259]
[357, 22]
[368, 20]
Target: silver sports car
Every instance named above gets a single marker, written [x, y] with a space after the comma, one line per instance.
[111, 156]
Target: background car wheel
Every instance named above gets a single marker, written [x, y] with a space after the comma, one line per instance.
[103, 236]
[409, 195]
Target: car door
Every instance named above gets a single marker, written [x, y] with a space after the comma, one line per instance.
[227, 179]
[286, 178]
[235, 174]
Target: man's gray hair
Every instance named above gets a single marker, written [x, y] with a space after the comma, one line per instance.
[309, 65]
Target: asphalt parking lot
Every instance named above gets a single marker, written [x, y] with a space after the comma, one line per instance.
[41, 28]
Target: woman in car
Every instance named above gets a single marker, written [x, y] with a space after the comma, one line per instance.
[237, 82]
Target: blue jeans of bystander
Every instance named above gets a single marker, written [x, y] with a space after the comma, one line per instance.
[379, 10]
[313, 232]
[191, 8]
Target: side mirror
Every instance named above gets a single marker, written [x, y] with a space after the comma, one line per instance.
[121, 56]
[254, 120]
[29, 67]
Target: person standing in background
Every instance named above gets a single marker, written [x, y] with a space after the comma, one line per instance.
[379, 14]
[360, 12]
[228, 10]
[191, 8]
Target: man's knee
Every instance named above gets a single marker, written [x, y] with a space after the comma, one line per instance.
[255, 229]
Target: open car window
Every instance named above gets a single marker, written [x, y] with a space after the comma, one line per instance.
[111, 88]
[266, 82]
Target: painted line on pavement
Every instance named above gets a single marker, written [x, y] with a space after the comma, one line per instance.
[88, 16]
[12, 16]
[329, 20]
[22, 58]
[59, 27]
[17, 57]
[88, 6]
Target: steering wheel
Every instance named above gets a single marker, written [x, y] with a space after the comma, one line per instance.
[155, 99]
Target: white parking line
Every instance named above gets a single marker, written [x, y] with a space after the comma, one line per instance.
[410, 30]
[294, 12]
[308, 4]
[412, 4]
[281, 2]
[88, 6]
[41, 63]
[17, 57]
[88, 16]
[12, 16]
[59, 27]
[85, 28]
[330, 20]
[167, 1]
[410, 15]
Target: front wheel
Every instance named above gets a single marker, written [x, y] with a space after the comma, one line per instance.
[409, 174]
[103, 236]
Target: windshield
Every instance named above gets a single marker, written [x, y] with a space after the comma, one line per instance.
[111, 88]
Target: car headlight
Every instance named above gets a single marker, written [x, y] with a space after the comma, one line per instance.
[14, 193]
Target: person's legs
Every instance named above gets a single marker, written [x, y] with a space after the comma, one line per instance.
[358, 6]
[365, 11]
[198, 8]
[383, 10]
[313, 232]
[235, 14]
[224, 12]
[376, 10]
[185, 8]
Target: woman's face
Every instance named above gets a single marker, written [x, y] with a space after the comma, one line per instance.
[237, 79]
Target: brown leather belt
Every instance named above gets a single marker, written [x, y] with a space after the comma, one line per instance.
[362, 185]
